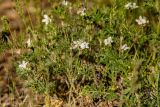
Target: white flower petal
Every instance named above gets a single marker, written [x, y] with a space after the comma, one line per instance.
[28, 42]
[23, 65]
[46, 19]
[65, 3]
[142, 21]
[84, 45]
[125, 47]
[108, 41]
[131, 5]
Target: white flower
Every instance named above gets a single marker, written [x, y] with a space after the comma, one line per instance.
[23, 65]
[81, 11]
[127, 6]
[134, 6]
[28, 42]
[125, 47]
[46, 19]
[84, 45]
[76, 44]
[142, 21]
[79, 43]
[131, 5]
[108, 41]
[65, 3]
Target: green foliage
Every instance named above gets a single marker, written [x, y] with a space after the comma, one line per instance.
[102, 72]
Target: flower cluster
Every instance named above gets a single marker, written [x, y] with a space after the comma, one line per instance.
[131, 5]
[84, 45]
[142, 20]
[79, 43]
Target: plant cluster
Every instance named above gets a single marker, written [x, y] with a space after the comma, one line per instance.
[104, 53]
